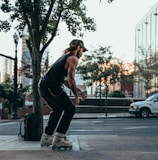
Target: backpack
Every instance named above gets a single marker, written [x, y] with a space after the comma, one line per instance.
[29, 128]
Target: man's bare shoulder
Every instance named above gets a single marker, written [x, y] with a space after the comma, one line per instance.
[72, 60]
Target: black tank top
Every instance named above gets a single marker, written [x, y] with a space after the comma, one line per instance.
[57, 72]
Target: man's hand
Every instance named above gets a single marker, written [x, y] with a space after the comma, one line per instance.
[82, 94]
[76, 100]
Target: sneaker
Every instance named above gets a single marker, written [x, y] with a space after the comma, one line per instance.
[59, 141]
[46, 140]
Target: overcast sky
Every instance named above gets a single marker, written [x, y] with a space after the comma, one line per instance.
[115, 27]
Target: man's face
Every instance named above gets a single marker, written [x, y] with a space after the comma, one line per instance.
[80, 52]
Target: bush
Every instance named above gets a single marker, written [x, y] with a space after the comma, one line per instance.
[116, 94]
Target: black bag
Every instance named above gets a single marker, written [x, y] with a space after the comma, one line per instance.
[29, 128]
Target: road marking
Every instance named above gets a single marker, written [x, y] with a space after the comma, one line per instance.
[150, 152]
[97, 121]
[89, 130]
[137, 127]
[3, 124]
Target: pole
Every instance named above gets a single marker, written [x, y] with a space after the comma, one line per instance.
[14, 110]
[106, 99]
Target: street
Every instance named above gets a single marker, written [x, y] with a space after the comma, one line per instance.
[129, 126]
[115, 126]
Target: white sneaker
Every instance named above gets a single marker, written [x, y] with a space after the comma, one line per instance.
[46, 140]
[59, 141]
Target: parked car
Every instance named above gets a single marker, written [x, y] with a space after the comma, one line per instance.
[145, 108]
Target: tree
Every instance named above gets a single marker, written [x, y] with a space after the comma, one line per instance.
[99, 67]
[42, 17]
[93, 65]
[7, 95]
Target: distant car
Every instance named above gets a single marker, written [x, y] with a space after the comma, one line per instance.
[145, 108]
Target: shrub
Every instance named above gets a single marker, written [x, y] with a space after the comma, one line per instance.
[116, 94]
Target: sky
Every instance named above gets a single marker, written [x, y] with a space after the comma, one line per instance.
[115, 27]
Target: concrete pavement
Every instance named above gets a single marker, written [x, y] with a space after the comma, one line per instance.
[12, 143]
[85, 147]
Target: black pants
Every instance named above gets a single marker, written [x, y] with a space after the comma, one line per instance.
[63, 110]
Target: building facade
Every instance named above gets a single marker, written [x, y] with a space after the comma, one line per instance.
[6, 69]
[146, 50]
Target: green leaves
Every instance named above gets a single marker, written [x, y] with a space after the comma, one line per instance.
[7, 94]
[5, 25]
[74, 15]
[94, 67]
[40, 13]
[101, 66]
[6, 6]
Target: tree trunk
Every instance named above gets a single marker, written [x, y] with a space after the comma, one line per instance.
[36, 70]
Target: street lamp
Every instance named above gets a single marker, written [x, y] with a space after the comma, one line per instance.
[14, 110]
[106, 99]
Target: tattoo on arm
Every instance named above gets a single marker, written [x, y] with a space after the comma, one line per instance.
[74, 91]
[71, 66]
[73, 84]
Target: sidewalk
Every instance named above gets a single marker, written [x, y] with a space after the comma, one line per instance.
[85, 147]
[13, 143]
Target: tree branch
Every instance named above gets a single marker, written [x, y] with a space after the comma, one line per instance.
[45, 24]
[53, 33]
[25, 16]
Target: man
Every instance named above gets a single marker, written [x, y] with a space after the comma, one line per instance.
[51, 90]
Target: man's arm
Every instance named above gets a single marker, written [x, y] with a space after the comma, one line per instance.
[79, 91]
[71, 65]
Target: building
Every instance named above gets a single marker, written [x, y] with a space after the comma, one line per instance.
[146, 54]
[6, 69]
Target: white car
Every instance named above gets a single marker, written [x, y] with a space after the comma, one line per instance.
[145, 108]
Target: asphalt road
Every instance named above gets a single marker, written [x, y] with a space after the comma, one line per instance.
[101, 126]
[115, 126]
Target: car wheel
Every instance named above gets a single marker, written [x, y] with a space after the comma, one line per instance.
[144, 112]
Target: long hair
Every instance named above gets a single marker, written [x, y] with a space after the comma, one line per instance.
[70, 49]
[74, 44]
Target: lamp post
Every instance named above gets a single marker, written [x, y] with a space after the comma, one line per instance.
[106, 100]
[14, 110]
